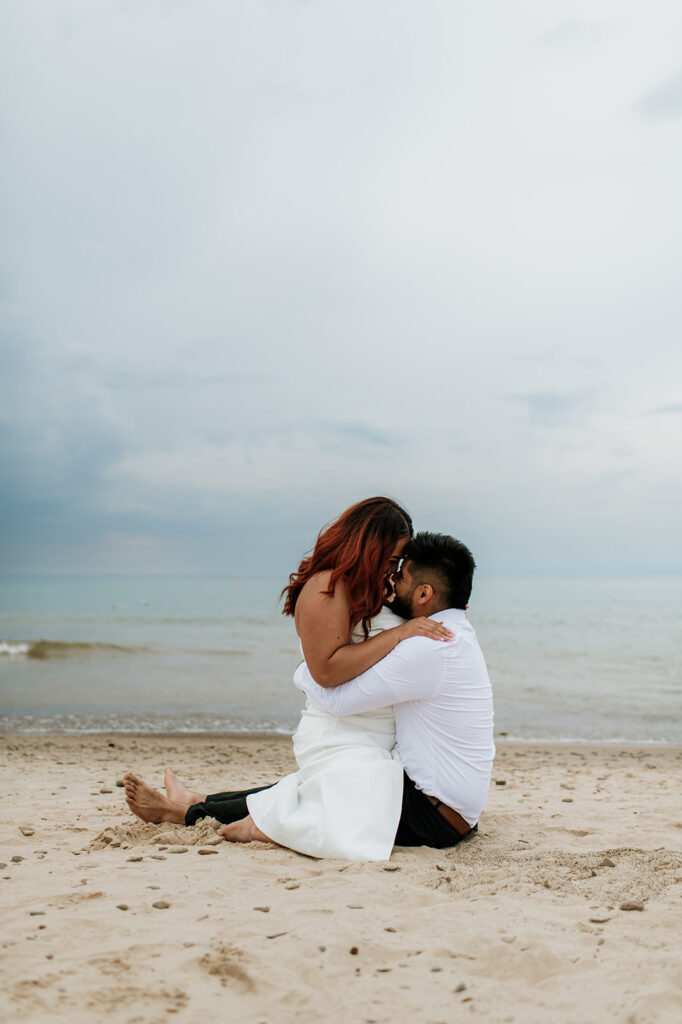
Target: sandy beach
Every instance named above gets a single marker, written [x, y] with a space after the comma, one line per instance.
[108, 919]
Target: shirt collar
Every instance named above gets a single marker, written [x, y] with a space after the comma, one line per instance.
[453, 614]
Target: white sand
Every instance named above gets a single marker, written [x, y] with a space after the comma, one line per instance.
[521, 923]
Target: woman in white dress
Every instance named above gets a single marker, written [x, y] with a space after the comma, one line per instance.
[345, 799]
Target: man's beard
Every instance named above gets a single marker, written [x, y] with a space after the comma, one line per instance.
[400, 607]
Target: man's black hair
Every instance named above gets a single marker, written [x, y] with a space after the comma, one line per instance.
[445, 563]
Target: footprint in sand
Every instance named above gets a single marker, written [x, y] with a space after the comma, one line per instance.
[221, 963]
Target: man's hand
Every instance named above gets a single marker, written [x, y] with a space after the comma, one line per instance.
[421, 626]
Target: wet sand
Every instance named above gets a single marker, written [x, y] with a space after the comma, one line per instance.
[108, 919]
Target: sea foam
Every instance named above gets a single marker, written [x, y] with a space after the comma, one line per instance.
[13, 649]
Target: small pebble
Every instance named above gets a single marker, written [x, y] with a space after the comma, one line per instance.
[292, 885]
[389, 929]
[2, 867]
[157, 856]
[632, 905]
[121, 906]
[106, 791]
[567, 800]
[16, 859]
[120, 783]
[392, 867]
[461, 987]
[321, 948]
[161, 905]
[49, 956]
[435, 970]
[263, 910]
[204, 852]
[599, 920]
[500, 782]
[27, 830]
[37, 913]
[607, 863]
[135, 860]
[178, 849]
[353, 951]
[355, 906]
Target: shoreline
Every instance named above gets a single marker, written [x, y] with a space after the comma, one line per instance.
[501, 741]
[511, 925]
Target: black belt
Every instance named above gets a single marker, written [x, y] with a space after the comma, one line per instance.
[454, 818]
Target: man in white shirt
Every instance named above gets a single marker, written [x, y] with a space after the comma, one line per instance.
[441, 695]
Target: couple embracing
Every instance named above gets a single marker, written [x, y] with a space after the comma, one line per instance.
[395, 744]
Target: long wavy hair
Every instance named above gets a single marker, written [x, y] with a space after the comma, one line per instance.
[357, 546]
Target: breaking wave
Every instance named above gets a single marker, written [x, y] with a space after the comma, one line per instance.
[41, 650]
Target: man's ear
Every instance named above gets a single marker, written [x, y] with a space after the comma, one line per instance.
[424, 593]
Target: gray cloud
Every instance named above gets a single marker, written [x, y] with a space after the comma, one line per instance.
[662, 102]
[574, 34]
[357, 433]
[549, 408]
[671, 407]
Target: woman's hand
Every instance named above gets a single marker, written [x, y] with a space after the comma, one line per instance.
[422, 626]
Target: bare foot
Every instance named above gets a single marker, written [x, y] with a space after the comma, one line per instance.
[149, 804]
[179, 793]
[243, 831]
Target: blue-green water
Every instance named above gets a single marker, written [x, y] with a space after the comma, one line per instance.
[570, 658]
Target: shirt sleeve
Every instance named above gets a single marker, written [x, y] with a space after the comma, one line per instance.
[412, 671]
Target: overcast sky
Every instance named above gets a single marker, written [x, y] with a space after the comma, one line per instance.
[263, 259]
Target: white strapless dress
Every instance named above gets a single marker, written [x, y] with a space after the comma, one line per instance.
[346, 797]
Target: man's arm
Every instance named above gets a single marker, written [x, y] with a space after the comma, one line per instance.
[410, 672]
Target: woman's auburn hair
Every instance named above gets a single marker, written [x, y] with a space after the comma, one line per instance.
[357, 546]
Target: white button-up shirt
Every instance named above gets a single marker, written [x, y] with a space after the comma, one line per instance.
[443, 711]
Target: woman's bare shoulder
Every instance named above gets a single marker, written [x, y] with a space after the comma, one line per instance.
[314, 601]
[318, 585]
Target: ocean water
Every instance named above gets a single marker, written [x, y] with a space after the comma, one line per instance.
[570, 658]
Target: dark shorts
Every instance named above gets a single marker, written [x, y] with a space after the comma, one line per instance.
[421, 824]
